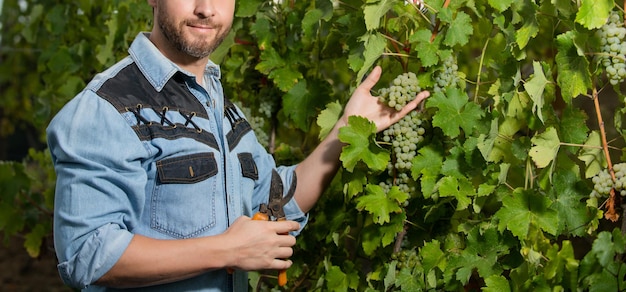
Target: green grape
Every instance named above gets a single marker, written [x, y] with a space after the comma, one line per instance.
[447, 76]
[603, 182]
[613, 47]
[257, 124]
[403, 89]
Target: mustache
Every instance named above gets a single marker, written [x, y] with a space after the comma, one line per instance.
[201, 22]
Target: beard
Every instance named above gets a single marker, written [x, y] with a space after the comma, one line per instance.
[199, 48]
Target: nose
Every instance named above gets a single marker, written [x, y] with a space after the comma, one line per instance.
[205, 8]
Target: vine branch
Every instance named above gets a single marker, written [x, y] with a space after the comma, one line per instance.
[610, 204]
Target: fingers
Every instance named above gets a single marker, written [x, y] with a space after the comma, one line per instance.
[371, 79]
[286, 226]
[414, 103]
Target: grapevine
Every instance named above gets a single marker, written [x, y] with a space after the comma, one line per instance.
[613, 47]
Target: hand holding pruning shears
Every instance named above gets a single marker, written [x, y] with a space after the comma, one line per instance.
[273, 211]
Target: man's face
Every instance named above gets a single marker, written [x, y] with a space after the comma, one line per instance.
[194, 28]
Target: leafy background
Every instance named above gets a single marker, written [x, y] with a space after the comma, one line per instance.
[502, 181]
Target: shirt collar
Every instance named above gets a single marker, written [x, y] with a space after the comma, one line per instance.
[157, 68]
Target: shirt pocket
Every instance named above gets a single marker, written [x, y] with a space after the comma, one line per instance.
[183, 205]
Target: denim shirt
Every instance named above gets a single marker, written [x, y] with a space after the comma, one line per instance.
[145, 149]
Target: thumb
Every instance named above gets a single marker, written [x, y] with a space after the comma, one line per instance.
[371, 79]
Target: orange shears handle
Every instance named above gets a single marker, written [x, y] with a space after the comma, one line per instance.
[282, 274]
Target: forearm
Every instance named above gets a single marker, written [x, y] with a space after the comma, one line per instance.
[318, 169]
[149, 261]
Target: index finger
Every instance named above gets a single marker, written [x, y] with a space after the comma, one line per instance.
[285, 226]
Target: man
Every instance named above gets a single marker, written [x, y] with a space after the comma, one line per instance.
[158, 173]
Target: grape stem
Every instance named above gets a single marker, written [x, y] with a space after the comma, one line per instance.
[436, 28]
[610, 214]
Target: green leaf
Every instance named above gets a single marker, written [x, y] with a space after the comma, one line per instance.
[432, 256]
[569, 203]
[573, 126]
[328, 118]
[461, 189]
[454, 112]
[374, 10]
[310, 21]
[336, 279]
[500, 5]
[360, 136]
[525, 208]
[379, 204]
[530, 28]
[496, 283]
[535, 87]
[546, 146]
[247, 8]
[374, 47]
[594, 13]
[574, 77]
[426, 50]
[34, 238]
[484, 247]
[297, 104]
[593, 156]
[459, 31]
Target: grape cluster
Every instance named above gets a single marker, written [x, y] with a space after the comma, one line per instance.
[613, 46]
[266, 108]
[603, 182]
[406, 259]
[404, 136]
[448, 75]
[257, 124]
[403, 89]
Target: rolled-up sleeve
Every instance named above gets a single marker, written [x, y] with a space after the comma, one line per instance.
[292, 210]
[100, 182]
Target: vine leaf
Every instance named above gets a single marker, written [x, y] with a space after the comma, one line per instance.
[574, 77]
[461, 189]
[481, 254]
[281, 71]
[460, 29]
[500, 5]
[247, 8]
[374, 47]
[432, 256]
[297, 102]
[546, 146]
[427, 164]
[530, 28]
[496, 283]
[592, 155]
[380, 204]
[426, 50]
[535, 87]
[328, 118]
[455, 111]
[360, 134]
[525, 208]
[562, 262]
[594, 13]
[568, 202]
[375, 236]
[374, 11]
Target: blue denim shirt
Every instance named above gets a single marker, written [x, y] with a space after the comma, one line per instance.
[145, 149]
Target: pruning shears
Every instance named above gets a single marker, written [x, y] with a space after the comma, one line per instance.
[273, 210]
